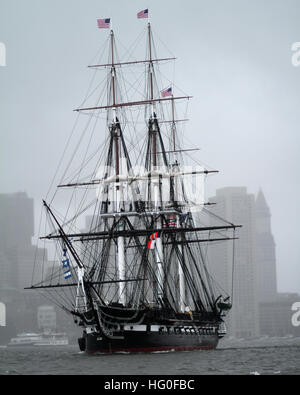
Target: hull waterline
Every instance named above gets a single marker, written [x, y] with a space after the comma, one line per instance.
[136, 342]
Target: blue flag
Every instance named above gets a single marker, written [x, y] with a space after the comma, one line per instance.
[66, 264]
[67, 274]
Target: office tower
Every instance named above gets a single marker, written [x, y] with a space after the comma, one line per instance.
[237, 206]
[46, 317]
[16, 231]
[17, 257]
[17, 254]
[265, 251]
[16, 214]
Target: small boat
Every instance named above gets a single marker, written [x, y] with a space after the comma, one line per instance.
[24, 339]
[53, 339]
[39, 339]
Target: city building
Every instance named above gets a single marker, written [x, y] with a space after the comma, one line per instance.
[265, 251]
[16, 231]
[17, 254]
[237, 206]
[17, 257]
[46, 317]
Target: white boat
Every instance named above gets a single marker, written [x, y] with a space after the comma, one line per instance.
[24, 339]
[39, 339]
[53, 339]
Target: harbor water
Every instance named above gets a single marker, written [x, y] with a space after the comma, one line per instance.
[232, 357]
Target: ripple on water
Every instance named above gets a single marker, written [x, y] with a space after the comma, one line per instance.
[271, 360]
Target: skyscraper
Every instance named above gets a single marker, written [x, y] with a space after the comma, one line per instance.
[16, 231]
[275, 308]
[265, 251]
[237, 206]
[16, 215]
[17, 254]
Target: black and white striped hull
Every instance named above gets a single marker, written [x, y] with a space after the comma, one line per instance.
[157, 339]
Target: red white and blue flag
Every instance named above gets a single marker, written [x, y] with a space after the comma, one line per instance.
[167, 92]
[153, 237]
[143, 14]
[171, 221]
[103, 23]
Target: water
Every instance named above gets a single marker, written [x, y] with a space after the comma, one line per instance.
[264, 357]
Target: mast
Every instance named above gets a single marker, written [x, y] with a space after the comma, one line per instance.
[173, 125]
[152, 115]
[175, 187]
[181, 278]
[150, 62]
[115, 129]
[80, 292]
[156, 182]
[113, 70]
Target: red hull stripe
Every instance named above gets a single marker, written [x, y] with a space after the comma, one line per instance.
[153, 349]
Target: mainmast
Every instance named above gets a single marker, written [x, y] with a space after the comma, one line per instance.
[113, 70]
[150, 62]
[152, 115]
[173, 126]
[174, 188]
[153, 135]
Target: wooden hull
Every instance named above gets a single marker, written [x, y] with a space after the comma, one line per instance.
[136, 341]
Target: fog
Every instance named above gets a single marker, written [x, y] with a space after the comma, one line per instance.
[234, 58]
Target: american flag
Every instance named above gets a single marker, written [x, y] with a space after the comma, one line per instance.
[103, 23]
[167, 92]
[143, 14]
[172, 221]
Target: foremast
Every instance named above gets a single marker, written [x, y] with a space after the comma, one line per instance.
[81, 277]
[116, 132]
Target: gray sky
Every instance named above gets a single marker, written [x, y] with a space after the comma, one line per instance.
[234, 58]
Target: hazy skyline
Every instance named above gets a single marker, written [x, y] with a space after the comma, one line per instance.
[234, 58]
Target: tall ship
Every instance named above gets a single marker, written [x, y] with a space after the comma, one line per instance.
[129, 236]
